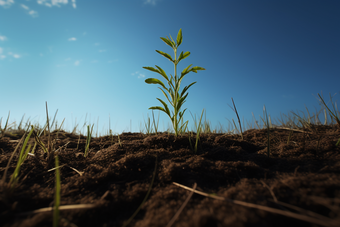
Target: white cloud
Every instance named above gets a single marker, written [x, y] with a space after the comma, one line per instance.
[67, 59]
[50, 3]
[6, 3]
[41, 55]
[44, 2]
[102, 51]
[76, 63]
[97, 44]
[14, 55]
[72, 39]
[1, 50]
[151, 2]
[139, 74]
[94, 61]
[31, 12]
[3, 38]
[2, 57]
[25, 7]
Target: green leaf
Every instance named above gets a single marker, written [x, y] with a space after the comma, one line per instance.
[187, 87]
[172, 97]
[165, 106]
[183, 56]
[181, 114]
[157, 108]
[179, 37]
[168, 42]
[194, 69]
[186, 70]
[172, 39]
[166, 95]
[181, 101]
[161, 71]
[165, 55]
[155, 81]
[151, 69]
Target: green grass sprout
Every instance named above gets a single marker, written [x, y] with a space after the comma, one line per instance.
[268, 144]
[88, 139]
[198, 131]
[22, 157]
[336, 117]
[239, 122]
[3, 130]
[154, 123]
[177, 99]
[148, 126]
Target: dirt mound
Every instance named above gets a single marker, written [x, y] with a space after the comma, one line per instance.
[300, 177]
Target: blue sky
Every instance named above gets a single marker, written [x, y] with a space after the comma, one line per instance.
[85, 58]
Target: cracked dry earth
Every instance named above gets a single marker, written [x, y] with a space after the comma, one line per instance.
[300, 177]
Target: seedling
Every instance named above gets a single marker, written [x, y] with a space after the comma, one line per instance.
[198, 131]
[22, 157]
[177, 99]
[88, 139]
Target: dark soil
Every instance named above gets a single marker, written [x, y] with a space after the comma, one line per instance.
[301, 177]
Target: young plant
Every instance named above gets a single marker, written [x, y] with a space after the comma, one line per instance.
[268, 143]
[3, 130]
[88, 139]
[198, 131]
[177, 99]
[22, 157]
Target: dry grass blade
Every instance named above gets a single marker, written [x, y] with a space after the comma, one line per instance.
[324, 222]
[239, 122]
[65, 207]
[172, 221]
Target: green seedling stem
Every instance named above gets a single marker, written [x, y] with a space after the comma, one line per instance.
[5, 128]
[154, 123]
[268, 147]
[148, 126]
[39, 142]
[332, 114]
[9, 161]
[56, 194]
[198, 130]
[120, 144]
[22, 157]
[239, 122]
[177, 99]
[88, 139]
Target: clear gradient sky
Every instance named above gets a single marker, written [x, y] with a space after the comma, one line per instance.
[85, 57]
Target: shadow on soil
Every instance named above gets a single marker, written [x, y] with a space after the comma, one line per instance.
[116, 177]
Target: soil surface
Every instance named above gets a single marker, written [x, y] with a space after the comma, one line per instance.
[297, 185]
